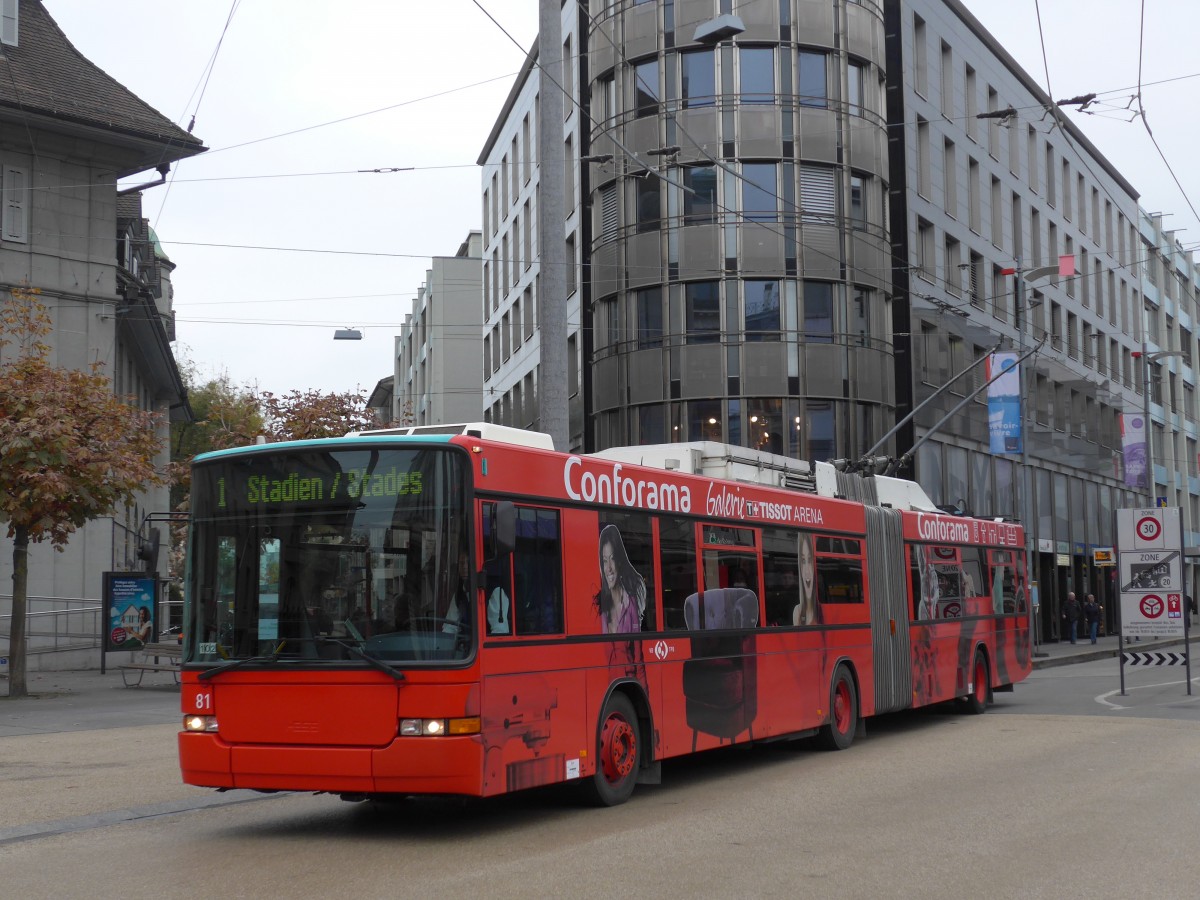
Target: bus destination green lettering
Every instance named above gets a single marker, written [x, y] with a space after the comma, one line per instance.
[358, 484]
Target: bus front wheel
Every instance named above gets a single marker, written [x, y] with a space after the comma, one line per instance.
[618, 753]
[838, 734]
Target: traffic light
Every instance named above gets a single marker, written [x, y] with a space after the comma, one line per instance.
[148, 551]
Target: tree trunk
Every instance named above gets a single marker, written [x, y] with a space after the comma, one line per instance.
[16, 634]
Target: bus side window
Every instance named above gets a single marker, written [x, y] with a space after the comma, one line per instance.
[497, 577]
[538, 605]
[677, 544]
[781, 576]
[972, 568]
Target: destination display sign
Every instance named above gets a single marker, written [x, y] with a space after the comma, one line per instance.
[272, 483]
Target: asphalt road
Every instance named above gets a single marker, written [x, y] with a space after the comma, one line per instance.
[1016, 803]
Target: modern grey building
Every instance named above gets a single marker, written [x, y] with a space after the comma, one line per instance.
[68, 132]
[438, 366]
[796, 221]
[511, 298]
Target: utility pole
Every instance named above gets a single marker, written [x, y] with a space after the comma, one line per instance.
[552, 387]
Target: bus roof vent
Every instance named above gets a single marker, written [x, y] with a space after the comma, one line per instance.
[485, 431]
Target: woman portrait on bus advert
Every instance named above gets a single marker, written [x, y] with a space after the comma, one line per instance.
[622, 597]
[805, 612]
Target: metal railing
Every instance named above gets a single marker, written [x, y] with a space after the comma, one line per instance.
[54, 624]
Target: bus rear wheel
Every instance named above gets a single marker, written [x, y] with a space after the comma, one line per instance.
[838, 734]
[976, 701]
[618, 753]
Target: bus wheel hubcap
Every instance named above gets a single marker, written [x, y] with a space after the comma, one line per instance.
[617, 749]
[841, 707]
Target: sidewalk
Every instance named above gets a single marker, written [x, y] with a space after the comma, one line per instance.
[85, 700]
[1063, 653]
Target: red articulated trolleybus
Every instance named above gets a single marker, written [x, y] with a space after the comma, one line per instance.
[465, 611]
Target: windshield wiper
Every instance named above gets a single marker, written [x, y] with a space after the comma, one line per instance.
[366, 657]
[237, 663]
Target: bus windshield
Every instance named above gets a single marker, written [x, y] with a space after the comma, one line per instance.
[330, 555]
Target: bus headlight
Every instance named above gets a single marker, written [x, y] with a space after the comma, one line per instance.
[438, 727]
[200, 723]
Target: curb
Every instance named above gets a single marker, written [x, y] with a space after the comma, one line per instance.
[1107, 653]
[1086, 656]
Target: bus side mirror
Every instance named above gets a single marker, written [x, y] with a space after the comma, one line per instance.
[506, 528]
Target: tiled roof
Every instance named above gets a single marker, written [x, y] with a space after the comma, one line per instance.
[47, 76]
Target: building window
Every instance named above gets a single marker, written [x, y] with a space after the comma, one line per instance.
[568, 175]
[953, 252]
[762, 310]
[704, 421]
[814, 85]
[818, 195]
[947, 81]
[526, 152]
[14, 215]
[645, 88]
[646, 197]
[700, 200]
[820, 430]
[609, 218]
[920, 61]
[649, 318]
[925, 252]
[607, 323]
[974, 205]
[923, 162]
[569, 254]
[757, 73]
[702, 300]
[858, 208]
[759, 192]
[818, 312]
[856, 74]
[8, 22]
[971, 92]
[568, 72]
[949, 180]
[699, 80]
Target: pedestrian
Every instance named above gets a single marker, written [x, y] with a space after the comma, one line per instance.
[1091, 612]
[1071, 613]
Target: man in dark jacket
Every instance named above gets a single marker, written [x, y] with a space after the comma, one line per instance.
[1071, 613]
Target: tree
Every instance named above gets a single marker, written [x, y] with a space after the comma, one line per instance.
[70, 450]
[224, 416]
[304, 415]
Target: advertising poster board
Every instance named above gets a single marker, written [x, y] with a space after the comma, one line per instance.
[130, 599]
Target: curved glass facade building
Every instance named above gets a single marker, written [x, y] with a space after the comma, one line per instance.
[740, 263]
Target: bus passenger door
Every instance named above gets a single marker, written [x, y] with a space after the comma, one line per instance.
[887, 580]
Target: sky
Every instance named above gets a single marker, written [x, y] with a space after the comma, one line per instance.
[280, 238]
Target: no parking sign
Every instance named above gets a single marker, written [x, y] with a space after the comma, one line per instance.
[1151, 572]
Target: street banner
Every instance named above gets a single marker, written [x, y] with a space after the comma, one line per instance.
[1004, 403]
[1133, 447]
